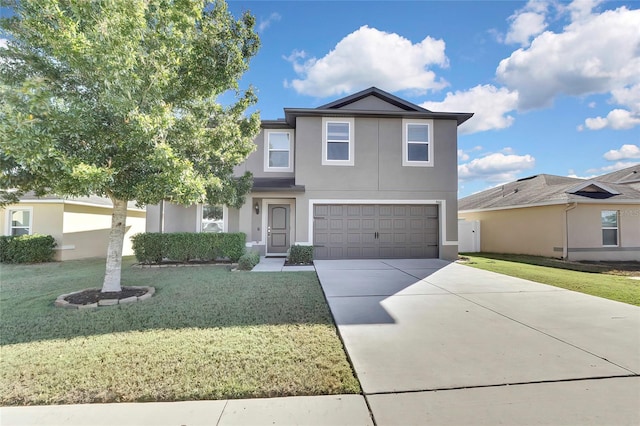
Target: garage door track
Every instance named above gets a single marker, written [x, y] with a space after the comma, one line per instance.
[443, 343]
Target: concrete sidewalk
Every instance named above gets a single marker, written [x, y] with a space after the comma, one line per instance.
[300, 410]
[434, 342]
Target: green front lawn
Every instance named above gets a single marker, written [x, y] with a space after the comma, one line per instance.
[207, 333]
[615, 286]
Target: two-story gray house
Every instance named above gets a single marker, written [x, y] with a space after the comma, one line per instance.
[367, 176]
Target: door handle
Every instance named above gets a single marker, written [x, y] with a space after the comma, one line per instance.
[268, 231]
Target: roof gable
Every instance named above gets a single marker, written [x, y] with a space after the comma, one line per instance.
[592, 187]
[373, 99]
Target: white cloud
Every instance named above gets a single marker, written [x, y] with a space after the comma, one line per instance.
[525, 23]
[496, 167]
[572, 174]
[625, 152]
[524, 26]
[595, 53]
[3, 43]
[581, 9]
[266, 23]
[489, 104]
[370, 57]
[462, 156]
[612, 168]
[617, 119]
[627, 96]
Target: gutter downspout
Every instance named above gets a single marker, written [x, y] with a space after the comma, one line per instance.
[161, 218]
[565, 249]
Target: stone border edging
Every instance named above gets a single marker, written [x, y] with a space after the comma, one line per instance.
[178, 265]
[62, 303]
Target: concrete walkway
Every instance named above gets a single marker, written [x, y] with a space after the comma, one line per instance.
[276, 264]
[440, 343]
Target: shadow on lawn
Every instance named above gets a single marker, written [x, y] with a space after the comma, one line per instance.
[199, 297]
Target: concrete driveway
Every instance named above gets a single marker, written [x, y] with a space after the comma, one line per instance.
[442, 343]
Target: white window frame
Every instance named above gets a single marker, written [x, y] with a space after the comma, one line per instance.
[617, 228]
[225, 218]
[267, 168]
[9, 227]
[405, 143]
[351, 160]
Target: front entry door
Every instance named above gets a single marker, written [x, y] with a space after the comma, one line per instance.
[278, 229]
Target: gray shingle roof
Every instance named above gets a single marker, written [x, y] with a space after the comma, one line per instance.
[540, 189]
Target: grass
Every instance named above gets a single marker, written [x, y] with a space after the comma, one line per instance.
[207, 333]
[608, 281]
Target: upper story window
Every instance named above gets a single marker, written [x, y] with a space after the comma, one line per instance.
[417, 143]
[610, 230]
[278, 151]
[212, 218]
[19, 222]
[337, 141]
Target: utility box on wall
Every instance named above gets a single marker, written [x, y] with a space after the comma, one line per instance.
[468, 236]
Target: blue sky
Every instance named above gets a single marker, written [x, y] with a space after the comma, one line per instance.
[555, 86]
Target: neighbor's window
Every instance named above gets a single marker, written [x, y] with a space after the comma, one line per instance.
[212, 218]
[417, 146]
[610, 234]
[20, 222]
[338, 145]
[278, 152]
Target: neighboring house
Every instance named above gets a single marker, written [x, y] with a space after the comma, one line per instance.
[80, 225]
[555, 216]
[367, 176]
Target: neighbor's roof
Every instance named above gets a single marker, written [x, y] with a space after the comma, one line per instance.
[93, 200]
[620, 186]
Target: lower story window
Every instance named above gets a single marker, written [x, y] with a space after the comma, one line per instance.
[19, 222]
[212, 218]
[609, 220]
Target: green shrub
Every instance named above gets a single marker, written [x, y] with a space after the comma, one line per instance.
[27, 249]
[149, 247]
[301, 254]
[248, 260]
[153, 247]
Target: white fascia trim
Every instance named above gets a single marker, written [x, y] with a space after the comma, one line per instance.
[442, 214]
[266, 152]
[551, 203]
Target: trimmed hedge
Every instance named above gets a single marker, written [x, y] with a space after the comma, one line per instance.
[301, 254]
[152, 247]
[248, 260]
[27, 249]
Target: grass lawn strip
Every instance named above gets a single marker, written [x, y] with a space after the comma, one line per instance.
[614, 287]
[206, 334]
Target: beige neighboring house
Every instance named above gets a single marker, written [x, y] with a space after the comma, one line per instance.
[594, 219]
[80, 225]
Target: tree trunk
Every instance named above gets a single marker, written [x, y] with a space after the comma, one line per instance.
[116, 241]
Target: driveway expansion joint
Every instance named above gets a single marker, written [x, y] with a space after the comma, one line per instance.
[499, 385]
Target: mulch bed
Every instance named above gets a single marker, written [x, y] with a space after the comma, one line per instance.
[287, 263]
[88, 297]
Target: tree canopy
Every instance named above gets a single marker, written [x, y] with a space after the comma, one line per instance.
[121, 98]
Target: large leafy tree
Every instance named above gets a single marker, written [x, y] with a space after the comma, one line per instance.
[121, 98]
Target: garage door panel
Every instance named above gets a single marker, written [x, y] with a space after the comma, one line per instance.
[375, 231]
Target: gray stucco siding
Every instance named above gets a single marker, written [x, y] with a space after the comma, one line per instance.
[255, 162]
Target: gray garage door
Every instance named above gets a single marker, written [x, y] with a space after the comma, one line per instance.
[375, 231]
